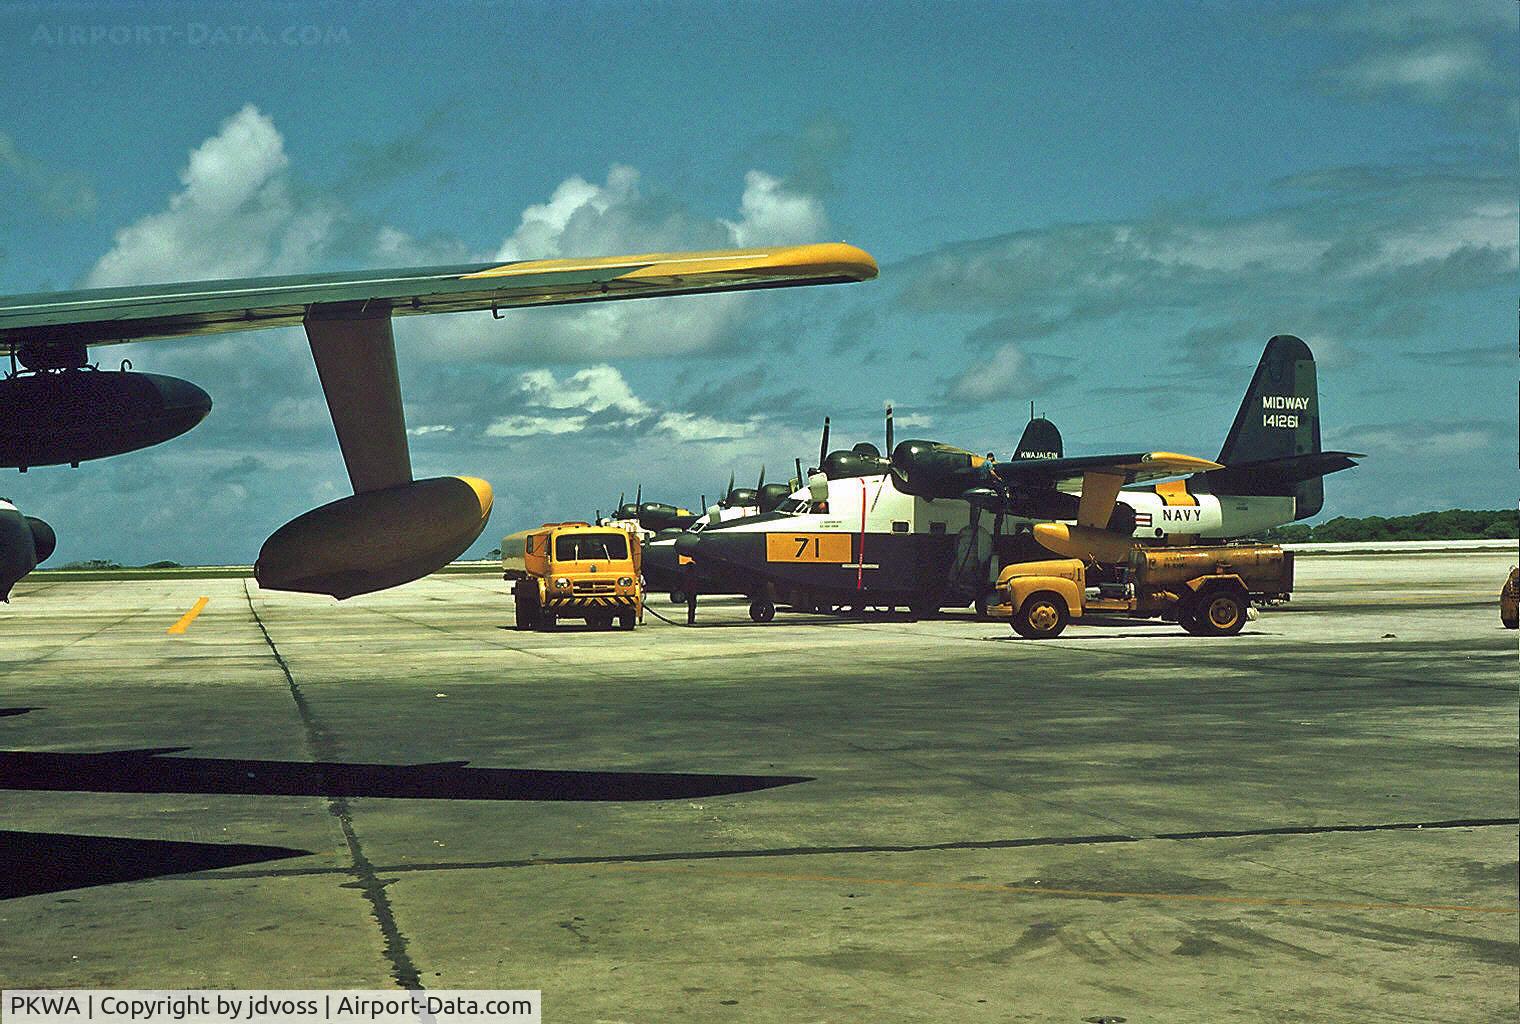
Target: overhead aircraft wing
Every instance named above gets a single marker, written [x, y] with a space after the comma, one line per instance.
[1066, 474]
[100, 316]
[394, 529]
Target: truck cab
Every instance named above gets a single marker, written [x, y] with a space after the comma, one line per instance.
[574, 571]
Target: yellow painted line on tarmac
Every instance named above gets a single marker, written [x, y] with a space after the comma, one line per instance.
[189, 617]
[1040, 890]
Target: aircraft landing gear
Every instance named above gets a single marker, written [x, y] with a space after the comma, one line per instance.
[678, 597]
[762, 610]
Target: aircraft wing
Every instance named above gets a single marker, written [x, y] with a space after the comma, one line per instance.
[1066, 474]
[103, 316]
[394, 528]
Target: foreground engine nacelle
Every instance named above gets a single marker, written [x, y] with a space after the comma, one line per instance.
[24, 541]
[377, 539]
[53, 418]
[929, 469]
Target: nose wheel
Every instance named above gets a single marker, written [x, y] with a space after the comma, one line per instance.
[762, 610]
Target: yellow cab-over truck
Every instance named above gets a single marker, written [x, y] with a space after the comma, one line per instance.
[574, 571]
[1204, 589]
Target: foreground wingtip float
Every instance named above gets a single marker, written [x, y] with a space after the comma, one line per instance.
[55, 408]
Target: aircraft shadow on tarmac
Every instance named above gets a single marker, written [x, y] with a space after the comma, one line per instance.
[149, 771]
[39, 862]
[11, 712]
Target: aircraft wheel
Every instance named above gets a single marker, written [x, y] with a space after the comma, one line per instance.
[982, 605]
[1042, 616]
[762, 610]
[923, 607]
[678, 597]
[1221, 612]
[626, 621]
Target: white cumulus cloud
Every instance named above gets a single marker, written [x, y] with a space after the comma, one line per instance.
[598, 398]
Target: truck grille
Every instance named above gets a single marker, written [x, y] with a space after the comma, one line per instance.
[593, 587]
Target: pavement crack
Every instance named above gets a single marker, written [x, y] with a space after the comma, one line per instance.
[324, 751]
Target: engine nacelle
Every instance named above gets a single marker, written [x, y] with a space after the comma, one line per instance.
[929, 469]
[76, 415]
[18, 546]
[771, 496]
[377, 539]
[658, 515]
[862, 460]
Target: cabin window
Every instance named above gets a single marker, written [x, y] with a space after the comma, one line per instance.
[589, 547]
[529, 546]
[899, 526]
[936, 527]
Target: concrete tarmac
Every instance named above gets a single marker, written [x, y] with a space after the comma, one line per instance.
[811, 820]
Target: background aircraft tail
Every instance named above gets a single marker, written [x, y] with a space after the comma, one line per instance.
[1273, 446]
[1041, 440]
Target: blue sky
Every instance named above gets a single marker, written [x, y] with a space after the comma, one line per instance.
[1103, 208]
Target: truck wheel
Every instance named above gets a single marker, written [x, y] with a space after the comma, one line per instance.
[1221, 613]
[546, 621]
[762, 610]
[626, 621]
[1187, 615]
[1042, 616]
[601, 621]
[526, 609]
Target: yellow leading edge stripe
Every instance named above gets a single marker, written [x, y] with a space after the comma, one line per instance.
[189, 617]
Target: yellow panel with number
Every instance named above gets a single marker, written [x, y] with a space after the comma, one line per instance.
[808, 547]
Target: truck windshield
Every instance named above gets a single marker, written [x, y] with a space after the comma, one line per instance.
[587, 547]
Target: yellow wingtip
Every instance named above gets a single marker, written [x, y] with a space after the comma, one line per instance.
[1181, 463]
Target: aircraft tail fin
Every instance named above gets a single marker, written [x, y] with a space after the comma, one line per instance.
[1273, 446]
[1041, 440]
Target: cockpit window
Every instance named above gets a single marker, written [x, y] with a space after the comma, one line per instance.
[588, 547]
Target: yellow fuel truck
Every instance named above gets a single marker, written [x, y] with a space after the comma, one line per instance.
[574, 571]
[1206, 590]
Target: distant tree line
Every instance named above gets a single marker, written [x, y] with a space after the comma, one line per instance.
[1453, 524]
